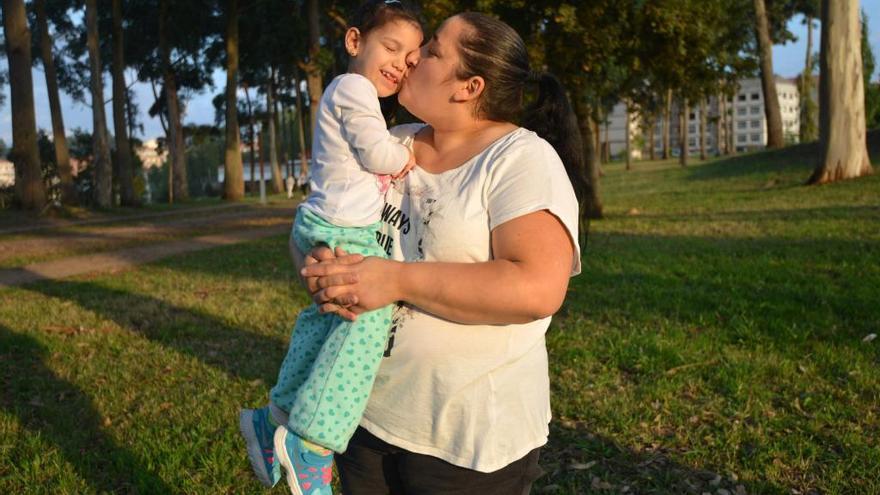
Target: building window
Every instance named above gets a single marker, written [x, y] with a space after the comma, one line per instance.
[756, 110]
[692, 116]
[741, 111]
[692, 128]
[741, 97]
[741, 138]
[756, 124]
[692, 142]
[741, 124]
[756, 137]
[756, 96]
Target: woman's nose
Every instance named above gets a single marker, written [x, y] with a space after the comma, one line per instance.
[412, 58]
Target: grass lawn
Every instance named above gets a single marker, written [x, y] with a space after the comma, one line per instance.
[715, 342]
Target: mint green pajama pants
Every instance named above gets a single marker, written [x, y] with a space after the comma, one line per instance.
[326, 377]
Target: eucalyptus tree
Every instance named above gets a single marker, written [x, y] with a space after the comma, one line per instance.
[775, 137]
[696, 50]
[233, 177]
[808, 109]
[45, 49]
[124, 164]
[103, 172]
[844, 153]
[167, 46]
[872, 90]
[30, 192]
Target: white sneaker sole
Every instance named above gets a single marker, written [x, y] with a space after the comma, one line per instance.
[284, 460]
[246, 426]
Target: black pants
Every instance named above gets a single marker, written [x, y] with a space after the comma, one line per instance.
[372, 467]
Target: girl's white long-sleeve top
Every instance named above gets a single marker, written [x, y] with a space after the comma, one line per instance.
[351, 150]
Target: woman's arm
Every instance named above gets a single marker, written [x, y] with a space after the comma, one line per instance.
[526, 281]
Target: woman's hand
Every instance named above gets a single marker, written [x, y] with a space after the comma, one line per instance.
[352, 284]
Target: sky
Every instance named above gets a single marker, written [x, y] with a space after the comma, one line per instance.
[788, 61]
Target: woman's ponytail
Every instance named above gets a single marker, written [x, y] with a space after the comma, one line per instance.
[551, 117]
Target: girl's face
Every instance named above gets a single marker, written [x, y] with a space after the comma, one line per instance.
[430, 85]
[380, 56]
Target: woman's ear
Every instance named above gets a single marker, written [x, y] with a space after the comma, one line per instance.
[470, 90]
[353, 41]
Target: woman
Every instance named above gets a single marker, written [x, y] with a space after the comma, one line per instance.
[484, 233]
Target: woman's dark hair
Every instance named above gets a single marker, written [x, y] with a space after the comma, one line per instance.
[494, 51]
[374, 14]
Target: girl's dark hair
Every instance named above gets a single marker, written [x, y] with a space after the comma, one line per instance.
[374, 14]
[494, 51]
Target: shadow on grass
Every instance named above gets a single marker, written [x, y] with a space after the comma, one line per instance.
[796, 158]
[238, 352]
[764, 289]
[577, 461]
[65, 417]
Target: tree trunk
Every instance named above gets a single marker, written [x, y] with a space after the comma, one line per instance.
[277, 185]
[808, 106]
[233, 170]
[281, 130]
[842, 138]
[261, 140]
[101, 148]
[30, 192]
[720, 140]
[667, 123]
[684, 145]
[731, 138]
[59, 139]
[703, 128]
[300, 115]
[313, 71]
[775, 138]
[606, 145]
[123, 146]
[627, 138]
[592, 207]
[176, 146]
[652, 152]
[252, 133]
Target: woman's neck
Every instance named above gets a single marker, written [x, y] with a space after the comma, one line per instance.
[450, 147]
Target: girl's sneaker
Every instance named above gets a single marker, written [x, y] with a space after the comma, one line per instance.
[309, 467]
[258, 432]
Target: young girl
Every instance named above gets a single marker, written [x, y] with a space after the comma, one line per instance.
[331, 363]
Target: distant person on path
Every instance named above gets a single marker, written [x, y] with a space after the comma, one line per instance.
[325, 380]
[289, 184]
[483, 237]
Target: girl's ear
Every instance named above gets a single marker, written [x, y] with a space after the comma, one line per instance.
[470, 89]
[353, 41]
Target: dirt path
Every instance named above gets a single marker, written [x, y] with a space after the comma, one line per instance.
[77, 238]
[22, 223]
[126, 258]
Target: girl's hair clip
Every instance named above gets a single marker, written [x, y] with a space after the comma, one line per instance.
[390, 2]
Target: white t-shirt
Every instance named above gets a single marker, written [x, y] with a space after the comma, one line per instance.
[477, 396]
[351, 150]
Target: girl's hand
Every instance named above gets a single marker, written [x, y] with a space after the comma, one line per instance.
[351, 284]
[410, 164]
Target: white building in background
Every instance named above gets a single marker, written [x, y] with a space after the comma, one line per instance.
[745, 115]
[149, 154]
[7, 173]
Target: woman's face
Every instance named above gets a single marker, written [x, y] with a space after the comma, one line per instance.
[429, 86]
